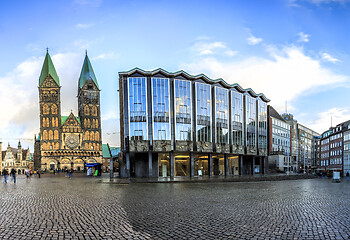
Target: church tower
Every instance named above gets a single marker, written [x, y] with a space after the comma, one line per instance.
[50, 106]
[89, 107]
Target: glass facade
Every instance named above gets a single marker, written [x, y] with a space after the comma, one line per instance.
[262, 128]
[182, 165]
[251, 121]
[237, 118]
[221, 115]
[203, 112]
[183, 110]
[201, 166]
[161, 109]
[137, 108]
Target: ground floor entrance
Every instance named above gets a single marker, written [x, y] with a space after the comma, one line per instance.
[173, 164]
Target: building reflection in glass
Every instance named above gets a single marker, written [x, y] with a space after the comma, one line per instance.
[183, 110]
[251, 121]
[221, 115]
[262, 128]
[137, 108]
[237, 118]
[161, 119]
[203, 98]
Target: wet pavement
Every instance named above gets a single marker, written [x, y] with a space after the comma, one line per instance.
[87, 208]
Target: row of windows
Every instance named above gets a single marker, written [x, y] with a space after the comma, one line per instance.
[50, 135]
[325, 148]
[347, 136]
[331, 161]
[280, 124]
[46, 122]
[46, 109]
[91, 124]
[336, 144]
[280, 142]
[325, 155]
[90, 110]
[280, 132]
[92, 136]
[137, 89]
[325, 141]
[50, 146]
[335, 136]
[336, 152]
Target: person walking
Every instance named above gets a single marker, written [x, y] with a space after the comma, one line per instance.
[13, 174]
[38, 172]
[5, 172]
[347, 176]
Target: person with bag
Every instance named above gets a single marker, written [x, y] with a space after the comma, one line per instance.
[13, 174]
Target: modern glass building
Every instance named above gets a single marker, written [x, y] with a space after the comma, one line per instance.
[176, 124]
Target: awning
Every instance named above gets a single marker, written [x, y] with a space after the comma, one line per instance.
[92, 164]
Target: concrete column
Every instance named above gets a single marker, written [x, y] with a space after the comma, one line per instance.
[150, 165]
[192, 164]
[261, 162]
[226, 164]
[210, 164]
[172, 163]
[240, 165]
[127, 159]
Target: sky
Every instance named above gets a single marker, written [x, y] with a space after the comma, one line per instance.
[296, 52]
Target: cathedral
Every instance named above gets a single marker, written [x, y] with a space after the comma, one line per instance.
[66, 142]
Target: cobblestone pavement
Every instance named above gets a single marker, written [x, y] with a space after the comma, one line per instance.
[84, 208]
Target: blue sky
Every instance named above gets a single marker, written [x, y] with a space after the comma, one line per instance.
[291, 50]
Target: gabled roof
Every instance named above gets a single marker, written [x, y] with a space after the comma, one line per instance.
[105, 151]
[64, 118]
[275, 114]
[192, 77]
[87, 73]
[48, 69]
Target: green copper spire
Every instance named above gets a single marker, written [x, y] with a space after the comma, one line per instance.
[48, 68]
[87, 73]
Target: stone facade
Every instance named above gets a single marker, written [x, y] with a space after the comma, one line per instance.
[17, 158]
[68, 142]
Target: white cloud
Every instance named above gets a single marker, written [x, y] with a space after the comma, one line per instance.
[303, 37]
[333, 115]
[329, 58]
[83, 26]
[282, 76]
[202, 48]
[252, 40]
[104, 56]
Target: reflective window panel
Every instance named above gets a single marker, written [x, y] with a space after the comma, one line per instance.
[137, 108]
[161, 109]
[203, 112]
[251, 121]
[183, 110]
[237, 118]
[221, 115]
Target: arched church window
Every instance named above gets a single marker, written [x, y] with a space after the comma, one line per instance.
[54, 109]
[55, 135]
[86, 110]
[87, 136]
[45, 135]
[92, 136]
[46, 109]
[94, 111]
[50, 135]
[97, 136]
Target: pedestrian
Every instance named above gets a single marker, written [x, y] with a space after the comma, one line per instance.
[5, 172]
[54, 172]
[38, 172]
[13, 174]
[347, 176]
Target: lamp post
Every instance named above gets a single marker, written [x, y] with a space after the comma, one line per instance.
[304, 155]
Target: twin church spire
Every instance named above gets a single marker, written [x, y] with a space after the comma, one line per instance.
[87, 72]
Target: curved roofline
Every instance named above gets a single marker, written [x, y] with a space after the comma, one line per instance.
[196, 77]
